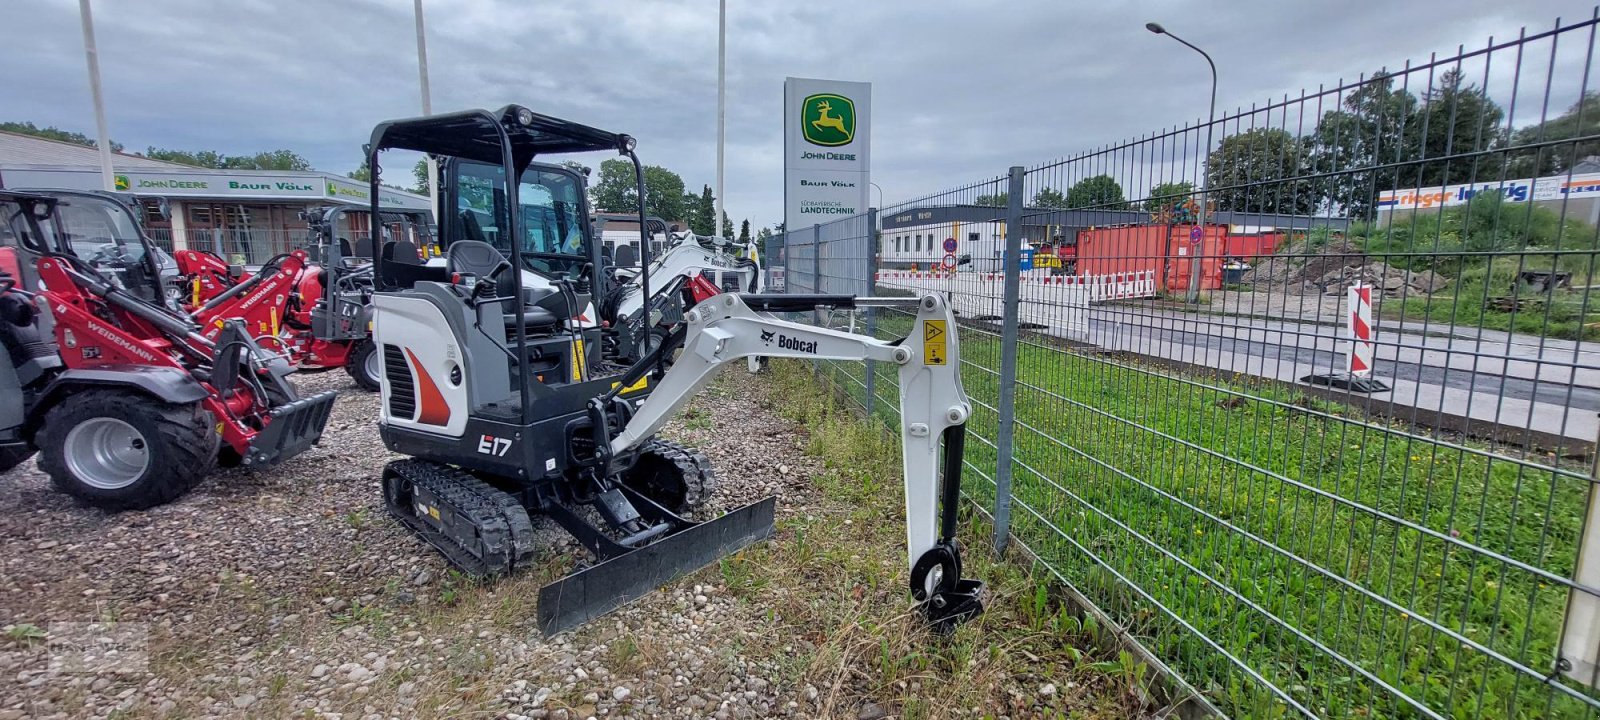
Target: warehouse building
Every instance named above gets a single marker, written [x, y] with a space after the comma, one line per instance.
[243, 215]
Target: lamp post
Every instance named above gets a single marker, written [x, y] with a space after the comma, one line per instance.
[722, 103]
[1211, 119]
[427, 109]
[880, 194]
[108, 178]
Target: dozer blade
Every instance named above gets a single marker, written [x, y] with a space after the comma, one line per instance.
[599, 589]
[293, 428]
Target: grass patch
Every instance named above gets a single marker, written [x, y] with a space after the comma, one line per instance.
[1286, 532]
[849, 624]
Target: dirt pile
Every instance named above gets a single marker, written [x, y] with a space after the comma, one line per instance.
[1298, 269]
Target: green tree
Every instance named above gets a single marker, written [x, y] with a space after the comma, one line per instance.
[1384, 138]
[267, 160]
[1455, 118]
[744, 231]
[727, 226]
[420, 172]
[997, 200]
[1049, 198]
[1259, 170]
[703, 221]
[363, 173]
[50, 132]
[1100, 192]
[615, 190]
[1164, 196]
[663, 193]
[1356, 148]
[1582, 120]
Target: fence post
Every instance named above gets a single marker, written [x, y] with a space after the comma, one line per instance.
[1011, 265]
[872, 313]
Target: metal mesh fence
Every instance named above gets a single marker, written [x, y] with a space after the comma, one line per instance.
[1305, 397]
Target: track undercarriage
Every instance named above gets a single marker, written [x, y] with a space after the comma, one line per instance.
[484, 526]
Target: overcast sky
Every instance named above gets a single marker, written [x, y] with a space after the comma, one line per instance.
[961, 90]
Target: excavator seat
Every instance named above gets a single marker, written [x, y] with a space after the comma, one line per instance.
[479, 258]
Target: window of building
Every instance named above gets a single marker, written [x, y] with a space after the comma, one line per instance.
[972, 238]
[919, 242]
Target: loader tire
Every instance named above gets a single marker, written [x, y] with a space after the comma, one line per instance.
[119, 450]
[677, 477]
[365, 365]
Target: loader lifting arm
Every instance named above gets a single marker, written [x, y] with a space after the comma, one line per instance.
[933, 407]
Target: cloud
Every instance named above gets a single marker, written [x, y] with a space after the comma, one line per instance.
[961, 89]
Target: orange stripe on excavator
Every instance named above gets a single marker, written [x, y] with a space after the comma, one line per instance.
[435, 411]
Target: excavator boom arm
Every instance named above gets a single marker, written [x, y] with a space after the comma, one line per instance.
[933, 413]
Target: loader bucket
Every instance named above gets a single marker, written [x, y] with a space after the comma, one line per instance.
[599, 589]
[293, 427]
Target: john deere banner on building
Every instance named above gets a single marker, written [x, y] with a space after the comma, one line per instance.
[826, 150]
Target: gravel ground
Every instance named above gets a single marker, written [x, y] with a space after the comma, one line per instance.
[266, 594]
[292, 593]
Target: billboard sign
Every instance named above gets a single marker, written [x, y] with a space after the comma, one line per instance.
[1521, 190]
[826, 150]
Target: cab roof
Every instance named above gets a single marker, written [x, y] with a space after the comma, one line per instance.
[478, 135]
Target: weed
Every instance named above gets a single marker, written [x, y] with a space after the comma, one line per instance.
[26, 634]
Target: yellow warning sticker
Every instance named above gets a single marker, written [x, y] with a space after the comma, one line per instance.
[935, 342]
[643, 383]
[578, 360]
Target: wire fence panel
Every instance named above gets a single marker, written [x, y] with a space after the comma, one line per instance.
[1306, 397]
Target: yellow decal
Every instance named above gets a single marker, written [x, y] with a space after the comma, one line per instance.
[935, 344]
[578, 361]
[196, 293]
[273, 313]
[434, 512]
[643, 383]
[219, 428]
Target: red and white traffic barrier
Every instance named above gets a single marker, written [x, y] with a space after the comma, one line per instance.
[1358, 328]
[1037, 287]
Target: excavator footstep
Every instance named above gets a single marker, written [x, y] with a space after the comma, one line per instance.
[601, 588]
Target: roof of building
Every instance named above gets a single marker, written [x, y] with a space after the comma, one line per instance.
[19, 149]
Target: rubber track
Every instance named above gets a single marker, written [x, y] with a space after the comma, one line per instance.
[699, 479]
[504, 532]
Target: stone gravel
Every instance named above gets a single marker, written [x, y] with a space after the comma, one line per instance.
[265, 594]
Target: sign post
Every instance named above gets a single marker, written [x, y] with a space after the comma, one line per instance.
[1358, 330]
[826, 151]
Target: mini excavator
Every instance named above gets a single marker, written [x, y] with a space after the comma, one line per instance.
[495, 386]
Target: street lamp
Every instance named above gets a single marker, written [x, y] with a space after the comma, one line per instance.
[1194, 268]
[880, 194]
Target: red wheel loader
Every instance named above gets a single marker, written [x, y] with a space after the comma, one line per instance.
[126, 402]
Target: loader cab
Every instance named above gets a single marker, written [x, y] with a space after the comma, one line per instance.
[97, 228]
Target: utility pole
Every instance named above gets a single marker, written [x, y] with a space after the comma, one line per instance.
[107, 177]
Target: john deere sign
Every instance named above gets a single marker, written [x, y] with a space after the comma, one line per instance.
[826, 150]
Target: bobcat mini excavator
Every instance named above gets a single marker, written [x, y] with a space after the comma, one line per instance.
[492, 385]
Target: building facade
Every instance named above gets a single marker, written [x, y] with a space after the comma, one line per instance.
[245, 216]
